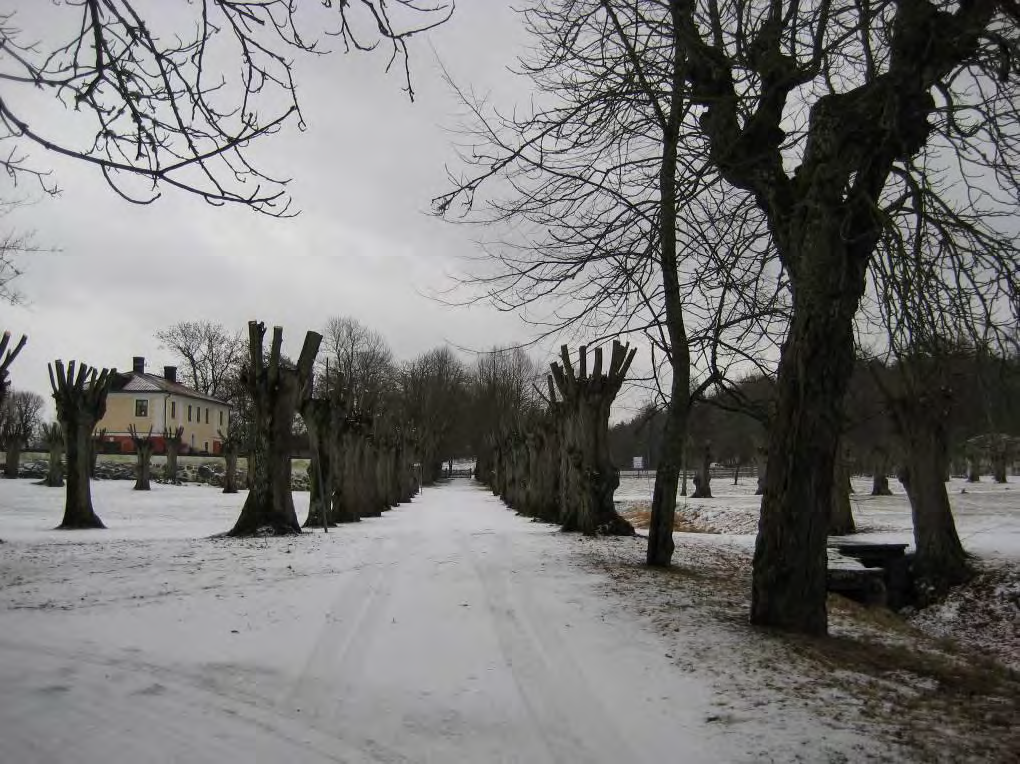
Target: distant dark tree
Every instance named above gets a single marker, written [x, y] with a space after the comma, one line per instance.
[144, 446]
[7, 356]
[80, 395]
[176, 98]
[231, 444]
[276, 389]
[20, 419]
[172, 439]
[919, 391]
[53, 439]
[432, 389]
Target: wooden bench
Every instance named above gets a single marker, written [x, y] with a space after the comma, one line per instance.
[870, 572]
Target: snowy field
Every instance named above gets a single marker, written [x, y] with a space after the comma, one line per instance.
[987, 514]
[448, 630]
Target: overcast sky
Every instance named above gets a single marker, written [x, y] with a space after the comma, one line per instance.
[364, 244]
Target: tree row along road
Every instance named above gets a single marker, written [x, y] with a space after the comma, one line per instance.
[447, 630]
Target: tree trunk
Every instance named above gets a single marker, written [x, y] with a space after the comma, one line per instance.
[940, 561]
[13, 463]
[880, 477]
[703, 477]
[143, 468]
[230, 469]
[841, 518]
[317, 415]
[974, 470]
[761, 459]
[172, 440]
[590, 474]
[790, 559]
[55, 470]
[81, 402]
[276, 390]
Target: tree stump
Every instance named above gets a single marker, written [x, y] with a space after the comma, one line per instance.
[81, 402]
[144, 446]
[231, 446]
[588, 476]
[276, 390]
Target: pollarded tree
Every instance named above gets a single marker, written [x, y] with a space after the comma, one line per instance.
[80, 396]
[588, 477]
[7, 356]
[172, 440]
[144, 446]
[231, 445]
[53, 438]
[20, 417]
[919, 393]
[175, 98]
[276, 389]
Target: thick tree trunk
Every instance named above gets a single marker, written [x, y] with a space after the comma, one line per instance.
[841, 518]
[940, 561]
[81, 402]
[974, 470]
[13, 463]
[790, 560]
[230, 469]
[703, 477]
[143, 467]
[172, 440]
[880, 476]
[55, 470]
[761, 462]
[317, 415]
[590, 476]
[276, 391]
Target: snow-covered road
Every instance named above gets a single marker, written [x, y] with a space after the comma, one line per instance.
[449, 630]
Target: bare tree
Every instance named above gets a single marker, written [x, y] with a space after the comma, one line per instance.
[276, 389]
[20, 419]
[7, 356]
[172, 440]
[144, 446]
[210, 356]
[432, 388]
[846, 126]
[80, 395]
[174, 98]
[53, 437]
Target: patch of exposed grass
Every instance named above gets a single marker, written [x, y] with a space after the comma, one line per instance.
[640, 516]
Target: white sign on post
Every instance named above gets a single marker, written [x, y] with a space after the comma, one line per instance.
[639, 462]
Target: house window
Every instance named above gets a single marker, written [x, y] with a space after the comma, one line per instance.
[207, 417]
[206, 448]
[141, 407]
[221, 419]
[173, 409]
[189, 412]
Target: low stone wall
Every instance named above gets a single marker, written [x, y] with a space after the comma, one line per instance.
[209, 473]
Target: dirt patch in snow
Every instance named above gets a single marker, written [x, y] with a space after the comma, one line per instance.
[877, 673]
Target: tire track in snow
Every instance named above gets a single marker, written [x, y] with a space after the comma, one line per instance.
[114, 709]
[573, 724]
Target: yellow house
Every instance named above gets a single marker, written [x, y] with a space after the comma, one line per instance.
[162, 403]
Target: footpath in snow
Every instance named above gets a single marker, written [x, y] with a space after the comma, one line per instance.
[448, 630]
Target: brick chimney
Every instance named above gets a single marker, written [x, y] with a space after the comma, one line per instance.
[138, 364]
[170, 373]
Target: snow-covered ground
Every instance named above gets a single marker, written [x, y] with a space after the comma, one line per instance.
[447, 630]
[987, 514]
